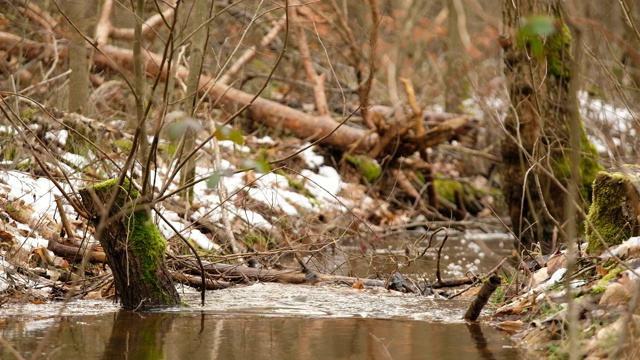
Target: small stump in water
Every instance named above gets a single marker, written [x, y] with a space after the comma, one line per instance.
[133, 244]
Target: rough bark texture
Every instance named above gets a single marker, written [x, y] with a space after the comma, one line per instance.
[538, 127]
[615, 209]
[135, 248]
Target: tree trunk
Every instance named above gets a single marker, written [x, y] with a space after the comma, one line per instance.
[456, 58]
[536, 148]
[134, 246]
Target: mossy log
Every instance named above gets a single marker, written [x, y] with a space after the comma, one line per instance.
[134, 246]
[615, 208]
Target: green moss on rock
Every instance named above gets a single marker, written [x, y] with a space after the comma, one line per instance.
[613, 211]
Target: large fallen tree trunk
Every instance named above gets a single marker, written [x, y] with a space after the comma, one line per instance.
[264, 111]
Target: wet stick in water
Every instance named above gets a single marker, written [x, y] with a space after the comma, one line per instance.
[481, 300]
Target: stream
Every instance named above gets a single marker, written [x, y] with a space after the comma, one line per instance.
[266, 321]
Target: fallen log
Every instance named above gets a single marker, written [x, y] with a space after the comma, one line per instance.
[73, 253]
[261, 110]
[196, 281]
[244, 274]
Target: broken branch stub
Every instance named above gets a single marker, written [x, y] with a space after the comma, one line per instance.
[134, 247]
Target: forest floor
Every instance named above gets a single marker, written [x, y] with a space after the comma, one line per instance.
[286, 217]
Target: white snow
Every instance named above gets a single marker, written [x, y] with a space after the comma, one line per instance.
[312, 160]
[264, 140]
[188, 233]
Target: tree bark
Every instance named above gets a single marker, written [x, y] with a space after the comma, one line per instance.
[457, 59]
[536, 148]
[135, 248]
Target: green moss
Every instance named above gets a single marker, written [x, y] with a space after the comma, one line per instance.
[28, 114]
[367, 167]
[123, 144]
[558, 52]
[589, 165]
[9, 152]
[145, 240]
[609, 211]
[253, 238]
[296, 184]
[447, 188]
[612, 274]
[147, 243]
[598, 290]
[169, 149]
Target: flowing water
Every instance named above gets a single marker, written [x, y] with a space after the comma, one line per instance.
[262, 321]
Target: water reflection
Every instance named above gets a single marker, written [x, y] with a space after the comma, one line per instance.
[202, 335]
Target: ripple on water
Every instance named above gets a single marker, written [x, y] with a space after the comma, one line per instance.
[332, 301]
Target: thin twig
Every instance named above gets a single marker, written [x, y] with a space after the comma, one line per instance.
[446, 237]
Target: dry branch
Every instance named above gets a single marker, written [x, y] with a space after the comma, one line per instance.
[73, 253]
[196, 281]
[251, 52]
[317, 81]
[106, 30]
[243, 274]
[267, 112]
[481, 300]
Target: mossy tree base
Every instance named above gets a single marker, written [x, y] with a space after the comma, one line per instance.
[539, 126]
[615, 209]
[134, 247]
